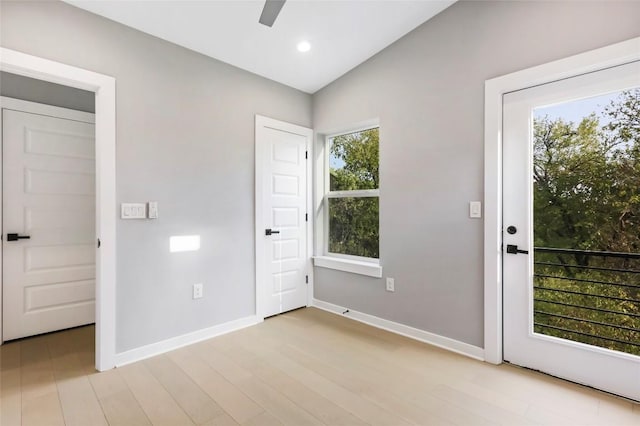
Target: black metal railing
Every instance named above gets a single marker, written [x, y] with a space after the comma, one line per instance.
[588, 296]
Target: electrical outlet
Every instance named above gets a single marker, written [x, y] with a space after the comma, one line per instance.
[391, 284]
[197, 291]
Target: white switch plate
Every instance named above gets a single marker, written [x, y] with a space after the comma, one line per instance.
[391, 284]
[475, 209]
[133, 211]
[197, 291]
[152, 209]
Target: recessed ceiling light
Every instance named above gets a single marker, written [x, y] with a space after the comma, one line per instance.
[304, 46]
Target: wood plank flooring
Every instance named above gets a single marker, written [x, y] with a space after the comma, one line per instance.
[307, 367]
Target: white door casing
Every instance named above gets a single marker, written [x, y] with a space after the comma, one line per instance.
[49, 195]
[104, 88]
[495, 88]
[283, 198]
[612, 371]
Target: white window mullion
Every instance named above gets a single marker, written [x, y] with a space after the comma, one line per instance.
[363, 193]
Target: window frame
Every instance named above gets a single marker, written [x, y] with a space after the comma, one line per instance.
[360, 193]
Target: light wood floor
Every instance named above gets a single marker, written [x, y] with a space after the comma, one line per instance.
[307, 367]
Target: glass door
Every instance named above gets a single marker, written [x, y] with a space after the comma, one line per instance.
[571, 209]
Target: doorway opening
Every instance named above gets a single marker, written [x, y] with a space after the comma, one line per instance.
[48, 218]
[105, 207]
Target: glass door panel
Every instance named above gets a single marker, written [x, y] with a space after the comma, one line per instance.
[586, 214]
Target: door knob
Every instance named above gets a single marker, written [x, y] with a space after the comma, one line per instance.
[270, 231]
[513, 249]
[16, 237]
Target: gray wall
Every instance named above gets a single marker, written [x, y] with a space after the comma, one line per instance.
[29, 89]
[185, 137]
[427, 90]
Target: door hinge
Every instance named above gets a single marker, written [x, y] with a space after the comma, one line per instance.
[306, 217]
[306, 279]
[99, 243]
[306, 155]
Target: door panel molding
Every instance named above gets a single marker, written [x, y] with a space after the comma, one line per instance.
[262, 125]
[104, 88]
[594, 60]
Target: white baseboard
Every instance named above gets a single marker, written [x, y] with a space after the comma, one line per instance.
[158, 348]
[452, 345]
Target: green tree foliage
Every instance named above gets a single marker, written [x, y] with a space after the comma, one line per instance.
[360, 154]
[353, 221]
[587, 197]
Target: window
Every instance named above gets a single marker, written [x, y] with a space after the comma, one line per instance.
[351, 207]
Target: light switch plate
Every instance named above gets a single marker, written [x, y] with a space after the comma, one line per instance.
[475, 209]
[152, 209]
[133, 211]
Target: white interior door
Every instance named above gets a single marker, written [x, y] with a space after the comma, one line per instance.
[282, 234]
[48, 195]
[571, 305]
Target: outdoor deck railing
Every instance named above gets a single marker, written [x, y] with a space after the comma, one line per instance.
[588, 296]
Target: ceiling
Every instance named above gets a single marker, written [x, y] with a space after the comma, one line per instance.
[342, 34]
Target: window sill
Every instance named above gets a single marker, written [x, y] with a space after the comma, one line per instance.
[347, 265]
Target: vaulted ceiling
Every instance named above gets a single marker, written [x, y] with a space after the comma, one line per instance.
[342, 34]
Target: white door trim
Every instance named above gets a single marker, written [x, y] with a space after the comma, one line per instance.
[105, 117]
[494, 89]
[260, 123]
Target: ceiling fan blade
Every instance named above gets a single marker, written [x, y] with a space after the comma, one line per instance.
[270, 12]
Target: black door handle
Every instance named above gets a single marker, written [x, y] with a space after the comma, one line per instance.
[270, 231]
[16, 237]
[512, 249]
